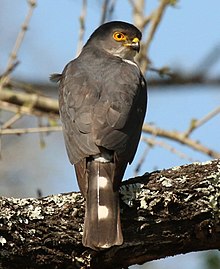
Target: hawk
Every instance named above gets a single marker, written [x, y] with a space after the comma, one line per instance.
[102, 102]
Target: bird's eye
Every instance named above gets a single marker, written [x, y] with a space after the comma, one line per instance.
[118, 36]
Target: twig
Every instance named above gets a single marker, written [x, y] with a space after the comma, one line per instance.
[198, 123]
[45, 104]
[163, 71]
[155, 21]
[147, 19]
[141, 21]
[8, 124]
[107, 10]
[144, 155]
[111, 9]
[104, 11]
[152, 142]
[141, 160]
[24, 111]
[11, 121]
[181, 138]
[13, 56]
[138, 12]
[19, 131]
[27, 87]
[41, 134]
[82, 26]
[9, 70]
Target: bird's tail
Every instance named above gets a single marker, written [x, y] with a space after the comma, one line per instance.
[102, 227]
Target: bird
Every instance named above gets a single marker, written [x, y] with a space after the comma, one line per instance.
[102, 105]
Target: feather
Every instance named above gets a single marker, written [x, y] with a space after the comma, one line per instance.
[55, 77]
[102, 227]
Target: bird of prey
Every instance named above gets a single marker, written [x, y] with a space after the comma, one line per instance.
[102, 102]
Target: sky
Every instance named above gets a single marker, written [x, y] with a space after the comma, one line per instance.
[185, 36]
[188, 32]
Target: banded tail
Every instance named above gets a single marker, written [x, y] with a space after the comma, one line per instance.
[102, 226]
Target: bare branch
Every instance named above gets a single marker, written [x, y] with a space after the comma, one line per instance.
[11, 121]
[153, 142]
[138, 12]
[181, 138]
[30, 101]
[82, 19]
[9, 70]
[104, 11]
[141, 160]
[154, 19]
[13, 56]
[19, 131]
[107, 10]
[24, 111]
[33, 103]
[8, 124]
[198, 123]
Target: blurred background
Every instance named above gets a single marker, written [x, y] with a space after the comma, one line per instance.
[180, 59]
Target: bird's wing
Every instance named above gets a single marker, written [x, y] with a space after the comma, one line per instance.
[119, 115]
[106, 111]
[77, 98]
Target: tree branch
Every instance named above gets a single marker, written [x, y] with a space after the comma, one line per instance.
[12, 63]
[198, 123]
[181, 138]
[141, 21]
[82, 19]
[164, 213]
[34, 103]
[30, 101]
[40, 129]
[153, 142]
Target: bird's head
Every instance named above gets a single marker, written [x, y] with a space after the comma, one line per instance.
[117, 38]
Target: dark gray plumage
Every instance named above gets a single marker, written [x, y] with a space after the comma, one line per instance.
[102, 107]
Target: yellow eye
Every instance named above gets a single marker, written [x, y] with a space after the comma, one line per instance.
[118, 36]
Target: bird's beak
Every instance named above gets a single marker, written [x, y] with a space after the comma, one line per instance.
[134, 44]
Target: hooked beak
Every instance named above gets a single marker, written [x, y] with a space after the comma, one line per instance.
[134, 44]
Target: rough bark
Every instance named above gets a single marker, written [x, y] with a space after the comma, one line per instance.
[163, 213]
